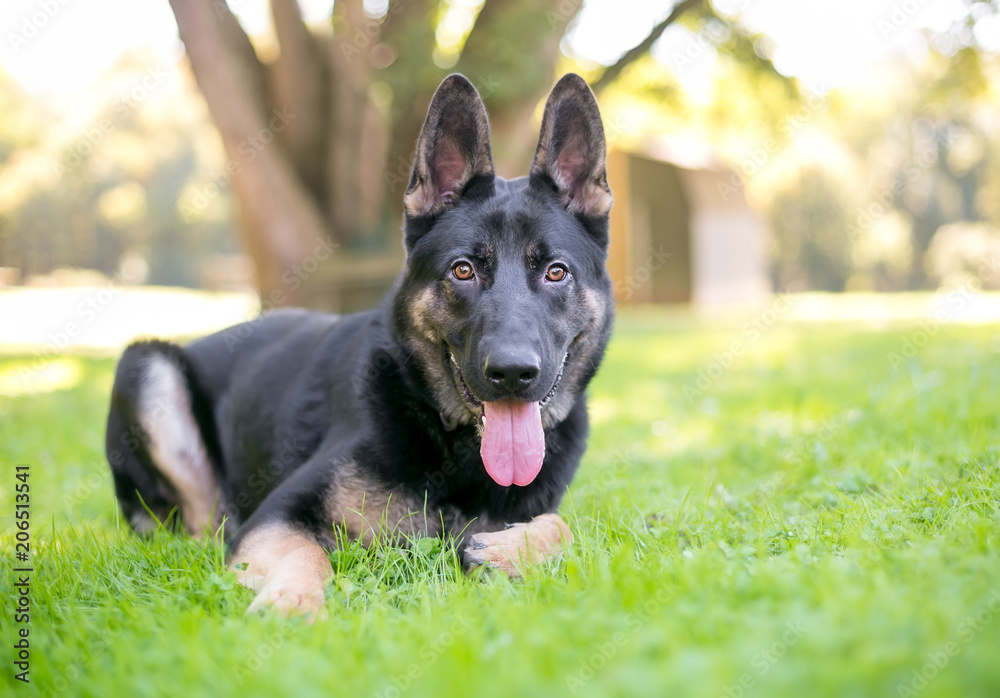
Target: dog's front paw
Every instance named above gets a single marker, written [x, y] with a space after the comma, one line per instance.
[287, 569]
[512, 550]
[292, 597]
[500, 550]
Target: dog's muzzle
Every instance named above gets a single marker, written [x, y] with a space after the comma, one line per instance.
[513, 441]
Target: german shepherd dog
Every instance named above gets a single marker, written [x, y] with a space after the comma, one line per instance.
[456, 408]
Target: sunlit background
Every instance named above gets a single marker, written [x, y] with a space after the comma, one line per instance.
[756, 147]
[826, 45]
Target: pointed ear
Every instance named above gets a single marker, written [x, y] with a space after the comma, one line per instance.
[453, 148]
[571, 150]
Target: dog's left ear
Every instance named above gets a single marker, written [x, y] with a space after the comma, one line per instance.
[452, 150]
[571, 151]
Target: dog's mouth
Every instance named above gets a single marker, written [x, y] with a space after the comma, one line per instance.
[513, 441]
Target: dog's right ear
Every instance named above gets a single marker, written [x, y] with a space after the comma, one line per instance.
[571, 151]
[453, 150]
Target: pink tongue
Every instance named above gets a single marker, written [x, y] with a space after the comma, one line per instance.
[513, 442]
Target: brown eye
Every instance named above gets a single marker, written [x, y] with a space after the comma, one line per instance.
[463, 271]
[557, 272]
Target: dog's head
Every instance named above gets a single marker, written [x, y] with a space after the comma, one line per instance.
[505, 300]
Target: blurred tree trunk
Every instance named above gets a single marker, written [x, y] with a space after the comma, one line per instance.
[320, 139]
[279, 218]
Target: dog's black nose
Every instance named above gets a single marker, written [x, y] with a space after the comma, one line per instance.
[512, 369]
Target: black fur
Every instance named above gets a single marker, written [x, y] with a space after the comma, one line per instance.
[284, 403]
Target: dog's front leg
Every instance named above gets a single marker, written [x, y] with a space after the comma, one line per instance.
[287, 569]
[519, 545]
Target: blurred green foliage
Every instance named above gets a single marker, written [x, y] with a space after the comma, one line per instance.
[855, 184]
[102, 179]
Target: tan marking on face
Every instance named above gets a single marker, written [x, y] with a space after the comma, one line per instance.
[424, 312]
[583, 350]
[421, 313]
[596, 304]
[286, 568]
[514, 549]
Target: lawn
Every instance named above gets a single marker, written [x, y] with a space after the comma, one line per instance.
[798, 509]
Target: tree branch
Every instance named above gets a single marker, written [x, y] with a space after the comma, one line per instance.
[614, 70]
[300, 82]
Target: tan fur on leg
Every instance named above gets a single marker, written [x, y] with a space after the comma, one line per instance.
[519, 545]
[287, 569]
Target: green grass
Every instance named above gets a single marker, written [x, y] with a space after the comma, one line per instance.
[821, 519]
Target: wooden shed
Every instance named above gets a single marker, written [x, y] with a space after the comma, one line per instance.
[682, 231]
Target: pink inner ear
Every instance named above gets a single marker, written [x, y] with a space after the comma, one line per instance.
[571, 166]
[575, 175]
[448, 167]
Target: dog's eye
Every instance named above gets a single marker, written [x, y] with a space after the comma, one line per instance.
[463, 271]
[557, 272]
